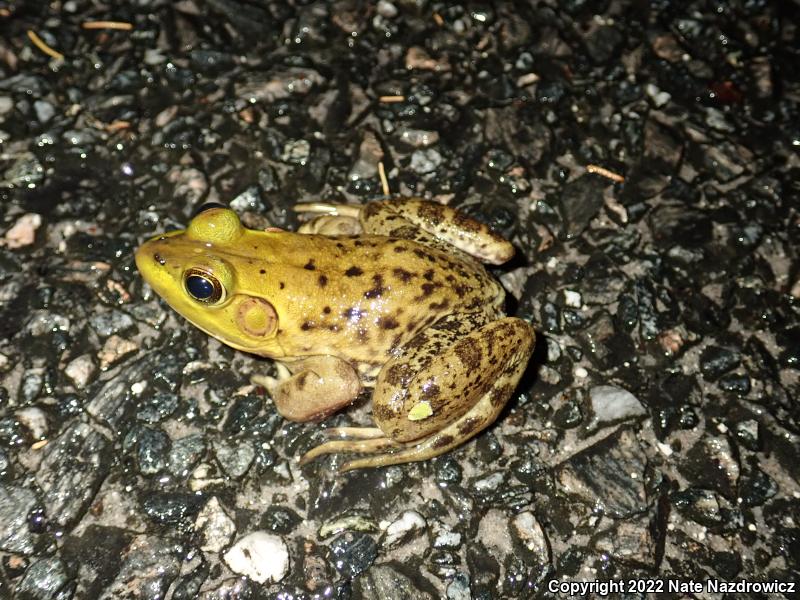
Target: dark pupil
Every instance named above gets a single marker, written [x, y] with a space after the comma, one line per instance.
[199, 287]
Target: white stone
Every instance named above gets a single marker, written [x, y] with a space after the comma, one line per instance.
[215, 526]
[261, 556]
[530, 533]
[611, 403]
[23, 232]
[573, 299]
[34, 420]
[409, 521]
[80, 370]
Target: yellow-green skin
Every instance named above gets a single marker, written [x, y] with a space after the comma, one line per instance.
[402, 304]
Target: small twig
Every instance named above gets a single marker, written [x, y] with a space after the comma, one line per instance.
[117, 125]
[121, 25]
[39, 43]
[437, 18]
[384, 180]
[390, 99]
[598, 170]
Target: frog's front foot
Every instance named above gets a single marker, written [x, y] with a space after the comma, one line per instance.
[311, 388]
[450, 383]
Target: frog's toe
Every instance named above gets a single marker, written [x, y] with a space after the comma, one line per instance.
[366, 446]
[359, 433]
[265, 381]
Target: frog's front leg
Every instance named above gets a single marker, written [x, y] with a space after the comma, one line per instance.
[450, 383]
[310, 389]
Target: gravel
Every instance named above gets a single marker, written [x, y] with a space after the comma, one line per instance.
[641, 157]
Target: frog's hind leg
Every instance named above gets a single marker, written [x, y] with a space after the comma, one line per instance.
[443, 390]
[413, 218]
[330, 219]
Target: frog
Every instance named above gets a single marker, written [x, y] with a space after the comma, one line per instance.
[391, 296]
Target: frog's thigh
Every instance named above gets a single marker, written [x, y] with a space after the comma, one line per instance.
[434, 399]
[446, 373]
[318, 386]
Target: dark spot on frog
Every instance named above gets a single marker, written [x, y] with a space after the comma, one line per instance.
[301, 380]
[402, 274]
[358, 243]
[354, 272]
[420, 253]
[430, 391]
[500, 395]
[442, 441]
[282, 285]
[340, 245]
[388, 323]
[262, 271]
[307, 325]
[381, 413]
[377, 288]
[396, 375]
[440, 305]
[310, 265]
[432, 212]
[427, 290]
[469, 425]
[395, 342]
[323, 281]
[428, 275]
[400, 249]
[326, 310]
[468, 353]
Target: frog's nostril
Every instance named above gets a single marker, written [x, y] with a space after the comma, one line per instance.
[159, 259]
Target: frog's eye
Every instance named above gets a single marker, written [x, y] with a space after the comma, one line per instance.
[203, 286]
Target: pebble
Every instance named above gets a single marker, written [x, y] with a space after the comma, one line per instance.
[44, 110]
[527, 529]
[81, 370]
[261, 556]
[23, 232]
[610, 404]
[25, 172]
[215, 527]
[608, 475]
[114, 350]
[45, 579]
[425, 161]
[353, 553]
[15, 505]
[34, 420]
[417, 138]
[402, 528]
